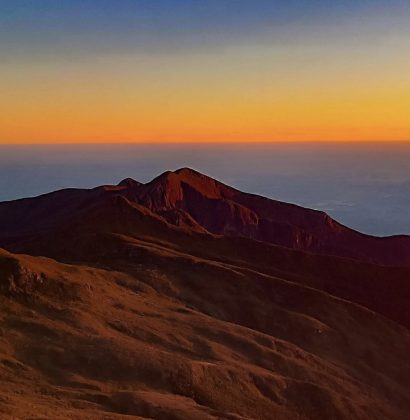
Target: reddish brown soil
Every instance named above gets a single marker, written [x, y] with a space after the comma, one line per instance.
[144, 312]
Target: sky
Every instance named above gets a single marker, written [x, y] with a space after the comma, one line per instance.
[88, 71]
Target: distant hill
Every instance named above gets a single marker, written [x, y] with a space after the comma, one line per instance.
[190, 200]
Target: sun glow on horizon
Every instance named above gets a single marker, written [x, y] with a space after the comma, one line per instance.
[298, 83]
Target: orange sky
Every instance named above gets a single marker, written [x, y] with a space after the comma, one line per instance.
[309, 87]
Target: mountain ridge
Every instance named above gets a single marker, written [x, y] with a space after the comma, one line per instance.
[187, 198]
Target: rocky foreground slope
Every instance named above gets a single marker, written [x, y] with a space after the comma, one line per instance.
[152, 301]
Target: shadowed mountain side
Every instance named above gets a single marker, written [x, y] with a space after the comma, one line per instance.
[196, 202]
[114, 227]
[184, 337]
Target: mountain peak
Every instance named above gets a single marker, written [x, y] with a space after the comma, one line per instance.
[129, 183]
[180, 174]
[188, 171]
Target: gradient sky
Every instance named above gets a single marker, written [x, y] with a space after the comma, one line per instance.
[204, 70]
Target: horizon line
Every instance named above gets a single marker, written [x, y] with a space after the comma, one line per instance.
[211, 142]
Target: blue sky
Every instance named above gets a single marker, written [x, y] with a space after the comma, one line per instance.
[81, 25]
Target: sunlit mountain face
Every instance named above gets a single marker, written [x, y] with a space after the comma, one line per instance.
[194, 71]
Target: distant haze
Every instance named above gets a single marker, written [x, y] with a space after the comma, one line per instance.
[365, 186]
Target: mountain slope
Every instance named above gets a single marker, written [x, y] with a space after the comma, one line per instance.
[182, 337]
[223, 210]
[162, 300]
[194, 201]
